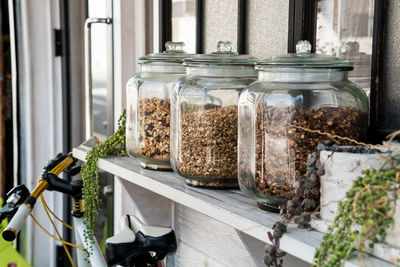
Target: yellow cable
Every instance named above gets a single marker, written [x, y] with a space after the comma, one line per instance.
[54, 237]
[42, 199]
[59, 235]
[57, 170]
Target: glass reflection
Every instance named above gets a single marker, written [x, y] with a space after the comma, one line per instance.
[344, 29]
[184, 23]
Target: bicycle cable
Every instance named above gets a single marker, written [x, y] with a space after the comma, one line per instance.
[56, 171]
[52, 236]
[59, 235]
[55, 216]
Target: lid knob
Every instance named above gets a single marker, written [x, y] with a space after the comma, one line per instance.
[303, 47]
[174, 47]
[224, 47]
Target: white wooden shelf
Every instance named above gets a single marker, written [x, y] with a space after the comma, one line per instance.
[230, 207]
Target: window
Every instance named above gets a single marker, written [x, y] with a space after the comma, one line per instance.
[184, 23]
[345, 30]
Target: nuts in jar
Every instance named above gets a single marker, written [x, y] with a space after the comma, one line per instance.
[207, 146]
[154, 116]
[282, 148]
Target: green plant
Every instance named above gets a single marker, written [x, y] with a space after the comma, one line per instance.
[299, 209]
[363, 216]
[113, 146]
[306, 202]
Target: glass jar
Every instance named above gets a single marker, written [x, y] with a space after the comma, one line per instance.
[204, 117]
[148, 106]
[295, 96]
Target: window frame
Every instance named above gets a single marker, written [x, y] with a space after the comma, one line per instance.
[303, 26]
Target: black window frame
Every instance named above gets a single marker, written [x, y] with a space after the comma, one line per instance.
[302, 25]
[165, 24]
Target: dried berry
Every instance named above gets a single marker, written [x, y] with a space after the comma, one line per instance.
[268, 260]
[298, 211]
[270, 249]
[279, 229]
[308, 184]
[313, 178]
[303, 225]
[309, 204]
[320, 172]
[321, 147]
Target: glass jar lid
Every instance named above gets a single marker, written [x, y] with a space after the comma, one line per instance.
[303, 58]
[223, 56]
[174, 53]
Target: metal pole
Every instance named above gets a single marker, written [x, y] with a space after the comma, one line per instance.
[88, 74]
[95, 258]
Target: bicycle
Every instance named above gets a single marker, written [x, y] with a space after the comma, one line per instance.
[136, 244]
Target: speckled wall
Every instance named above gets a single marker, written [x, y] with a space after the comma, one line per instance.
[220, 23]
[391, 69]
[266, 25]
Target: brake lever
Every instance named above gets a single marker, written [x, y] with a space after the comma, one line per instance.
[15, 197]
[73, 170]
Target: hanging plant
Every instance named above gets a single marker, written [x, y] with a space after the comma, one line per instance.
[112, 146]
[364, 216]
[305, 201]
[370, 204]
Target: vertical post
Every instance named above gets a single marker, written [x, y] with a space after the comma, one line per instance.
[88, 81]
[88, 74]
[165, 22]
[96, 258]
[199, 26]
[376, 134]
[241, 31]
[302, 23]
[2, 120]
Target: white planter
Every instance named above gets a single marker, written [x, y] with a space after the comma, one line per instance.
[341, 169]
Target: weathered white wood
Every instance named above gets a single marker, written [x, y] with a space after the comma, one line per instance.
[230, 207]
[151, 208]
[256, 249]
[119, 200]
[211, 237]
[186, 255]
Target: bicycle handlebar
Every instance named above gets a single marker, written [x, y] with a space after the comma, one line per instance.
[16, 223]
[54, 168]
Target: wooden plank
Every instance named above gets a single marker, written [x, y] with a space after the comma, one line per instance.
[229, 207]
[210, 237]
[256, 249]
[186, 255]
[152, 209]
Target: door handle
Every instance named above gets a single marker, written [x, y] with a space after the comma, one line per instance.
[88, 73]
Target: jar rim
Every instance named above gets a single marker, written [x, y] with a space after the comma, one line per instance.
[265, 66]
[303, 58]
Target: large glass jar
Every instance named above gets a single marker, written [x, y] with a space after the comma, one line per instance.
[204, 117]
[148, 106]
[295, 96]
